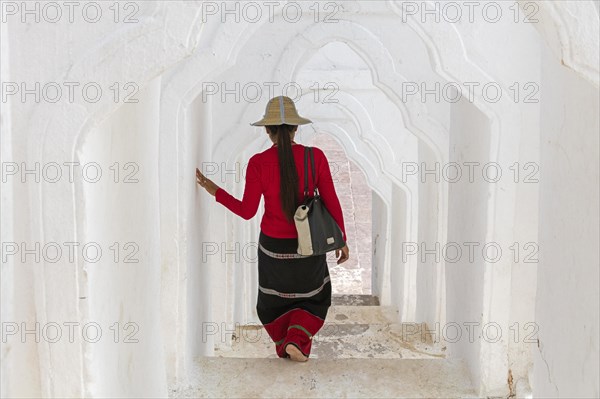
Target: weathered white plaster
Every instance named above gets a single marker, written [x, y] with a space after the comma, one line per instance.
[173, 292]
[125, 292]
[571, 30]
[567, 290]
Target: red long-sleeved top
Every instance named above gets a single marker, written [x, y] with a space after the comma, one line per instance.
[262, 178]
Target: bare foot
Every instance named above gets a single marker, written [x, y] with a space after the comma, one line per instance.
[295, 353]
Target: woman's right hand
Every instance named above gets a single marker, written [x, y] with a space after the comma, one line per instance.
[344, 256]
[208, 184]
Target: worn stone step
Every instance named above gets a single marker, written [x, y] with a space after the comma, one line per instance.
[362, 314]
[354, 300]
[342, 341]
[326, 378]
[384, 341]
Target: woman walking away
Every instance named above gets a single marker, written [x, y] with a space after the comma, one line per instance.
[294, 292]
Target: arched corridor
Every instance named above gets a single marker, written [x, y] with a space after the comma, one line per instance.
[463, 142]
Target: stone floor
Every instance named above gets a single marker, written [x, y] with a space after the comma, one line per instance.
[353, 299]
[361, 352]
[326, 378]
[355, 327]
[354, 275]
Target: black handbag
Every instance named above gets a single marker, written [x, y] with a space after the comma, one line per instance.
[318, 232]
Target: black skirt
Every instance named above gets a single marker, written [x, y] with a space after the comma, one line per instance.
[294, 292]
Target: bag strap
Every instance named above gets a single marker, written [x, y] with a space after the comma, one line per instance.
[305, 171]
[308, 150]
[312, 163]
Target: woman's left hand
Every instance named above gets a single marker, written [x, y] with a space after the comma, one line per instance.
[208, 184]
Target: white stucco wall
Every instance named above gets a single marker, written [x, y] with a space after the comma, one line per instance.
[174, 294]
[430, 273]
[121, 209]
[467, 207]
[566, 356]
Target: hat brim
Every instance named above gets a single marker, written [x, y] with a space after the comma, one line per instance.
[288, 121]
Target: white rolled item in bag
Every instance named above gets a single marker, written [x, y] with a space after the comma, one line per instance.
[303, 228]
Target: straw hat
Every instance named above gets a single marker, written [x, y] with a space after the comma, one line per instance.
[281, 110]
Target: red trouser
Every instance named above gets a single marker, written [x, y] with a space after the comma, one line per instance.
[296, 327]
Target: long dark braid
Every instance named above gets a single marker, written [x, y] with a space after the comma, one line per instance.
[287, 169]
